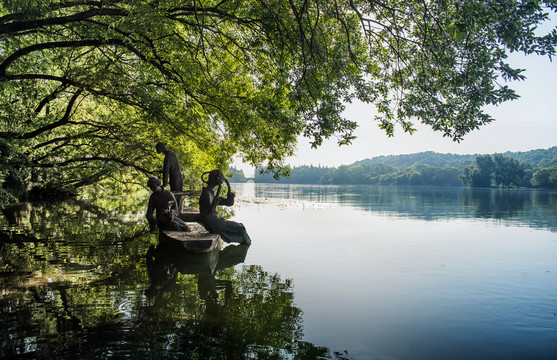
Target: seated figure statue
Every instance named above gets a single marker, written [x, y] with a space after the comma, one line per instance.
[163, 203]
[230, 231]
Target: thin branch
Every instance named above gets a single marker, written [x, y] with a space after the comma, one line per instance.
[87, 134]
[50, 97]
[64, 120]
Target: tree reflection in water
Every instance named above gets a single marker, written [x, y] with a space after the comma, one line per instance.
[86, 280]
[242, 312]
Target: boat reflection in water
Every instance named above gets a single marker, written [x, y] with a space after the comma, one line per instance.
[166, 260]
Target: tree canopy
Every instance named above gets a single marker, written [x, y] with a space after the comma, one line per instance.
[87, 88]
[495, 170]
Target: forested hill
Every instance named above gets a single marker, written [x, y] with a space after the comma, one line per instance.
[541, 158]
[428, 158]
[535, 158]
[535, 168]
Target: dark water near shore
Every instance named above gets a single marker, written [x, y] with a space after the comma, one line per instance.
[333, 272]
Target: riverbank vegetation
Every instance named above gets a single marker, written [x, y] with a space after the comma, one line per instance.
[88, 88]
[536, 168]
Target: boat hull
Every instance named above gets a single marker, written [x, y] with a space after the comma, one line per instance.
[197, 240]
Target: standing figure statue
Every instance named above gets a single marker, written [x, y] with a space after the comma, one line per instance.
[171, 174]
[163, 203]
[230, 231]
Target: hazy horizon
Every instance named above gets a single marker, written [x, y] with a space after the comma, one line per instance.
[250, 172]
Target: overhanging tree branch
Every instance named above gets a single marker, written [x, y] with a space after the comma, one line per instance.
[86, 159]
[12, 28]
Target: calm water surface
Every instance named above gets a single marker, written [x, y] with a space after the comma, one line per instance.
[333, 272]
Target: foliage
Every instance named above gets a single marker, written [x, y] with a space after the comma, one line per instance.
[495, 170]
[545, 178]
[87, 88]
[480, 175]
[508, 172]
[12, 182]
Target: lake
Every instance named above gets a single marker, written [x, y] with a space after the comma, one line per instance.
[333, 272]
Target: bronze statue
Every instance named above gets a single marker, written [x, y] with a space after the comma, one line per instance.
[163, 203]
[171, 174]
[230, 231]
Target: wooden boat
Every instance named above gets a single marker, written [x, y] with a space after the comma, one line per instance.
[190, 214]
[197, 240]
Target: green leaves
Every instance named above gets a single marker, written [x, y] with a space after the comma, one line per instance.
[443, 63]
[495, 170]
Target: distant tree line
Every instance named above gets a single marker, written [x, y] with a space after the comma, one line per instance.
[533, 169]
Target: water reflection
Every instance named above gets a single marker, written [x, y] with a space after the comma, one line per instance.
[533, 208]
[86, 278]
[165, 262]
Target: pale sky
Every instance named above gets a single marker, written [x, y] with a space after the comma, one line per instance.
[527, 123]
